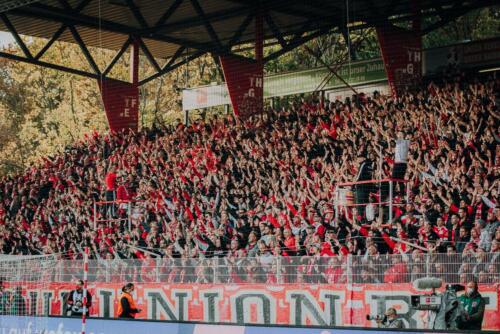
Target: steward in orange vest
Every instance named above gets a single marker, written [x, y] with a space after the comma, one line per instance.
[126, 307]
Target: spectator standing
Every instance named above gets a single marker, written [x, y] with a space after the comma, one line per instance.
[4, 300]
[126, 306]
[18, 303]
[463, 239]
[474, 305]
[484, 235]
[110, 181]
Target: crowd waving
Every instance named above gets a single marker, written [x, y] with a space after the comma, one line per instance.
[263, 189]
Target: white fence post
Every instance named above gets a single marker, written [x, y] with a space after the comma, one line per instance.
[279, 278]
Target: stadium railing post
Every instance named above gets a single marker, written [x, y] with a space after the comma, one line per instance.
[428, 263]
[216, 269]
[85, 279]
[129, 219]
[278, 270]
[157, 268]
[349, 269]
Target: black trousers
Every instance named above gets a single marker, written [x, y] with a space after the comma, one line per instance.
[110, 208]
[361, 196]
[398, 172]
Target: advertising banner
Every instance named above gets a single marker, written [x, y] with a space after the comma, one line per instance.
[56, 325]
[481, 52]
[244, 79]
[205, 97]
[121, 103]
[402, 54]
[355, 73]
[286, 304]
[467, 55]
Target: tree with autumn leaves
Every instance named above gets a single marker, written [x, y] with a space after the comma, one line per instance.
[44, 110]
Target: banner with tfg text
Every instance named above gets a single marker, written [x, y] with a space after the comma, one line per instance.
[121, 103]
[245, 84]
[402, 54]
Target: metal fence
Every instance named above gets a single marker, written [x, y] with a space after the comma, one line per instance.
[379, 269]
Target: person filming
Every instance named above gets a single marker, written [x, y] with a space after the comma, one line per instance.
[393, 321]
[126, 307]
[474, 304]
[75, 301]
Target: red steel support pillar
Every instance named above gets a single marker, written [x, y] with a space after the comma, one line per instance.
[134, 62]
[402, 55]
[415, 8]
[244, 77]
[259, 37]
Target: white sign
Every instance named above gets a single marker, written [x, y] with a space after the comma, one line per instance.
[204, 97]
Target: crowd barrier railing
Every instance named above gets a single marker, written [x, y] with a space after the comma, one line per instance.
[330, 291]
[350, 269]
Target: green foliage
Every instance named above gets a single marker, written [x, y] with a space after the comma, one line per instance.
[43, 110]
[478, 24]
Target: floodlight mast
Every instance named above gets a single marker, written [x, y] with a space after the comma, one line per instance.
[12, 4]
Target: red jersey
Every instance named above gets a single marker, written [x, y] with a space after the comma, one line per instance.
[122, 193]
[442, 232]
[110, 181]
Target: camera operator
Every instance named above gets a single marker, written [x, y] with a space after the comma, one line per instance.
[390, 320]
[474, 304]
[75, 301]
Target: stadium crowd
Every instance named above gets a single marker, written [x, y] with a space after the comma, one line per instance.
[250, 192]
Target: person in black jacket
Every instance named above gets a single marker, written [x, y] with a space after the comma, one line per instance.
[18, 303]
[75, 301]
[362, 191]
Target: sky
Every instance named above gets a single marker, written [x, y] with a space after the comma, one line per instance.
[5, 38]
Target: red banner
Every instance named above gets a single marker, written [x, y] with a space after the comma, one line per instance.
[244, 79]
[121, 102]
[291, 304]
[402, 54]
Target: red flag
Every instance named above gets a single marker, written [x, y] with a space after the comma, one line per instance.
[273, 221]
[190, 214]
[292, 208]
[197, 210]
[402, 54]
[121, 102]
[244, 80]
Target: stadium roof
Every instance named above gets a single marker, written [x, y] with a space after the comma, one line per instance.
[180, 30]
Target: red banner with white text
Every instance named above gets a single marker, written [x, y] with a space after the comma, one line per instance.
[121, 103]
[245, 83]
[402, 54]
[288, 304]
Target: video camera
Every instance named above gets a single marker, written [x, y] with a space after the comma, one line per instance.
[377, 317]
[432, 302]
[446, 307]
